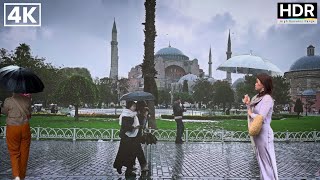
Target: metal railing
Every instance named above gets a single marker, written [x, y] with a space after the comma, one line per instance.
[162, 135]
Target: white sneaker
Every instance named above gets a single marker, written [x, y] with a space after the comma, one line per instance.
[17, 178]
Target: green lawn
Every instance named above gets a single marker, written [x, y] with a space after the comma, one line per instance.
[291, 124]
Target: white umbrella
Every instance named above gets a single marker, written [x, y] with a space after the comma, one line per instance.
[249, 64]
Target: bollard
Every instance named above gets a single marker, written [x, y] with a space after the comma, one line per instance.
[112, 134]
[287, 136]
[38, 133]
[4, 131]
[222, 135]
[187, 135]
[74, 134]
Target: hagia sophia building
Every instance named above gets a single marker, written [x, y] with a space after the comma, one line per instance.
[174, 67]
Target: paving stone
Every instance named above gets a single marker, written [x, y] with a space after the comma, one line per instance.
[233, 160]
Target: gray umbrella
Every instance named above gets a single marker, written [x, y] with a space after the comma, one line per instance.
[137, 96]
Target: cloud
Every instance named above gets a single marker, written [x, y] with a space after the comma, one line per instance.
[78, 33]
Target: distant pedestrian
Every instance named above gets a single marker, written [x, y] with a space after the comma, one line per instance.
[178, 110]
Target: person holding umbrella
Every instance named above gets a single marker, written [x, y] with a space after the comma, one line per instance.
[18, 110]
[129, 144]
[260, 110]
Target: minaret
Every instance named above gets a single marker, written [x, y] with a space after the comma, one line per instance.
[114, 53]
[210, 64]
[228, 57]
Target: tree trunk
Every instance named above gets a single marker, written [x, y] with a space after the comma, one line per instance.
[148, 69]
[76, 114]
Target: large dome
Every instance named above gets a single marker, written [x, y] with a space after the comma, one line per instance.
[306, 63]
[171, 53]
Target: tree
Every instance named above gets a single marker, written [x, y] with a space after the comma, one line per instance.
[77, 90]
[76, 71]
[185, 87]
[223, 94]
[280, 92]
[246, 87]
[106, 95]
[164, 97]
[23, 57]
[298, 107]
[203, 91]
[148, 69]
[185, 97]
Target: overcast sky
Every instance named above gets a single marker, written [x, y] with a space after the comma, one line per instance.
[77, 33]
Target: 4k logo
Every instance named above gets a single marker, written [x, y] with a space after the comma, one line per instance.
[22, 14]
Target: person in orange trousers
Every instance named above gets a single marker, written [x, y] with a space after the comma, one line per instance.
[18, 135]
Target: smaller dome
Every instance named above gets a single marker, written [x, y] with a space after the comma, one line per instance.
[238, 81]
[309, 92]
[188, 77]
[306, 63]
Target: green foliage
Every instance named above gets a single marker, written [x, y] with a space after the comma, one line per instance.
[298, 106]
[246, 87]
[185, 87]
[22, 57]
[68, 72]
[203, 91]
[164, 97]
[77, 90]
[280, 92]
[105, 92]
[185, 97]
[223, 95]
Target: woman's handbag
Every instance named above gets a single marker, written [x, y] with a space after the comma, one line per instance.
[256, 125]
[148, 138]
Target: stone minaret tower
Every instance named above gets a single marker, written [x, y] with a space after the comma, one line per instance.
[114, 53]
[210, 64]
[228, 57]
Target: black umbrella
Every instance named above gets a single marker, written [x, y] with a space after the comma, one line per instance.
[20, 80]
[137, 96]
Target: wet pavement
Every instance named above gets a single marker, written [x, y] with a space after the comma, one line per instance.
[93, 160]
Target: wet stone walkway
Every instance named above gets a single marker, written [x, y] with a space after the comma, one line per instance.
[93, 160]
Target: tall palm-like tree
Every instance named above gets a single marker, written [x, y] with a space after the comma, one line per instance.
[148, 69]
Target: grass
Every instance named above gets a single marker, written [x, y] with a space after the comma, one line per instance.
[309, 123]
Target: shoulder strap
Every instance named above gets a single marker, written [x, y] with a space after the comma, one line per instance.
[20, 108]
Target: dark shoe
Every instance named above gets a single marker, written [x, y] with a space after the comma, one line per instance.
[144, 167]
[130, 173]
[119, 170]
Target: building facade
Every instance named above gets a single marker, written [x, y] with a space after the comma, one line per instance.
[304, 78]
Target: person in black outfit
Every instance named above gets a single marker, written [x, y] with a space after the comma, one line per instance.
[129, 144]
[143, 113]
[178, 110]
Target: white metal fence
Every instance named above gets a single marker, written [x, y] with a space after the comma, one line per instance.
[162, 135]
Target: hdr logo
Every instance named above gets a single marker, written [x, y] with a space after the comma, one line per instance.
[22, 14]
[297, 13]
